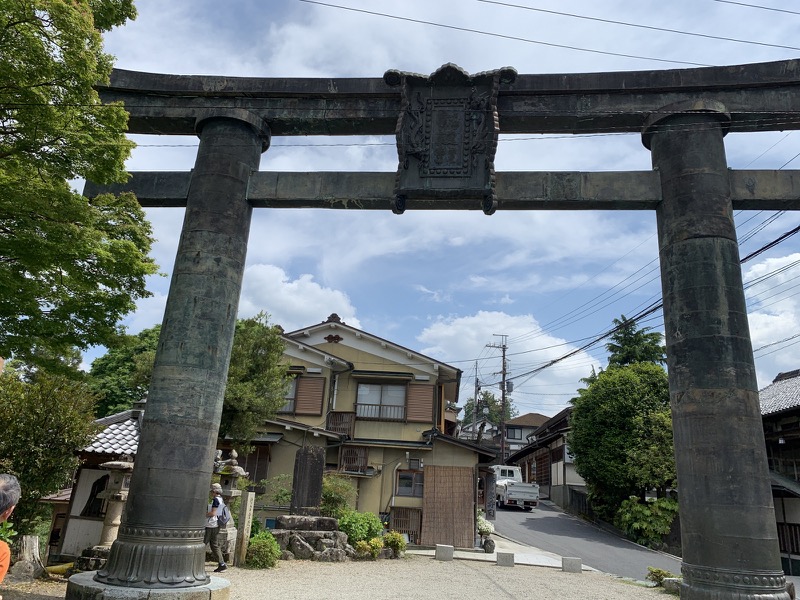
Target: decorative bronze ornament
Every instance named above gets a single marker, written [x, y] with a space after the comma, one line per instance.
[447, 135]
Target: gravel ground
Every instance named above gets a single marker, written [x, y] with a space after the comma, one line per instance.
[410, 577]
[424, 577]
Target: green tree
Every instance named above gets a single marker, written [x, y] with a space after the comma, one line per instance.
[257, 379]
[613, 425]
[71, 267]
[121, 376]
[630, 344]
[490, 407]
[43, 423]
[255, 390]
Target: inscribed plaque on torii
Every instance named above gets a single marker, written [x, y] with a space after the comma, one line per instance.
[447, 135]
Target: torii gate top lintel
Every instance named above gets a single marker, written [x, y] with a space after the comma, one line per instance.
[759, 97]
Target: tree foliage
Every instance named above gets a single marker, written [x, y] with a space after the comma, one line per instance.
[43, 423]
[490, 407]
[631, 344]
[621, 435]
[121, 376]
[71, 267]
[255, 390]
[257, 379]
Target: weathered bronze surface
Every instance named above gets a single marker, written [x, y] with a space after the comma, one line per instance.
[447, 135]
[728, 530]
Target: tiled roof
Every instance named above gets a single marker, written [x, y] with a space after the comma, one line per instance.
[528, 420]
[120, 434]
[782, 394]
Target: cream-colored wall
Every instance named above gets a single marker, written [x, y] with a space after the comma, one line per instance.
[390, 430]
[81, 533]
[376, 494]
[572, 476]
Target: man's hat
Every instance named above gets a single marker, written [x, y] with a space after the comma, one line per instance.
[215, 487]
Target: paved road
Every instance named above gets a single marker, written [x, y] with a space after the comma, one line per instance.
[553, 530]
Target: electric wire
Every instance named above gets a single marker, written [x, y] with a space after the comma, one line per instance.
[638, 25]
[506, 37]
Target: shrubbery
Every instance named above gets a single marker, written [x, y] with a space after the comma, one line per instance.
[371, 548]
[360, 526]
[484, 527]
[338, 495]
[658, 576]
[647, 523]
[395, 541]
[263, 551]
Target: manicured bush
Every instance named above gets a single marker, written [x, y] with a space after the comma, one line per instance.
[369, 548]
[338, 495]
[362, 548]
[658, 576]
[360, 526]
[263, 551]
[395, 541]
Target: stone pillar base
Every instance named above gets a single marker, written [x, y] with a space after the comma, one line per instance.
[83, 587]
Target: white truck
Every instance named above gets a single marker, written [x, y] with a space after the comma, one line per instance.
[510, 490]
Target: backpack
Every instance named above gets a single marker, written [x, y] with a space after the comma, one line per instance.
[224, 516]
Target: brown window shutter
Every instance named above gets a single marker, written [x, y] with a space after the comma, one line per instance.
[309, 395]
[419, 400]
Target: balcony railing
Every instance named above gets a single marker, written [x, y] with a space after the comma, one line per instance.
[354, 459]
[342, 422]
[380, 412]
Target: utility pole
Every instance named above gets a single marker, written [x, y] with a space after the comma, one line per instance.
[475, 405]
[502, 347]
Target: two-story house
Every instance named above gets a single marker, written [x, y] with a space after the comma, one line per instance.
[389, 407]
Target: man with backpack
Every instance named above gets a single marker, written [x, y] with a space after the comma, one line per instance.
[214, 518]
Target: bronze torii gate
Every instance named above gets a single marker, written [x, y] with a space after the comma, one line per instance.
[447, 133]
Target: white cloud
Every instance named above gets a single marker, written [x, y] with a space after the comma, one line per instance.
[292, 304]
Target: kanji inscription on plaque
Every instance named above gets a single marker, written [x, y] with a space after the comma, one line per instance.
[447, 135]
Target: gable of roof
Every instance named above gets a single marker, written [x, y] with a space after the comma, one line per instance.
[334, 322]
[294, 347]
[528, 420]
[782, 394]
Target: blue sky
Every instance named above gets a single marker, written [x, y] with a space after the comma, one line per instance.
[448, 284]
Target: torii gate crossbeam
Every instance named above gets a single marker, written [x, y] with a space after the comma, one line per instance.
[447, 126]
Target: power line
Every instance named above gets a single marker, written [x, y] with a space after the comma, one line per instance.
[640, 26]
[507, 37]
[781, 10]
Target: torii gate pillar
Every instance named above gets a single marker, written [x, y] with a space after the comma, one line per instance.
[730, 547]
[160, 543]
